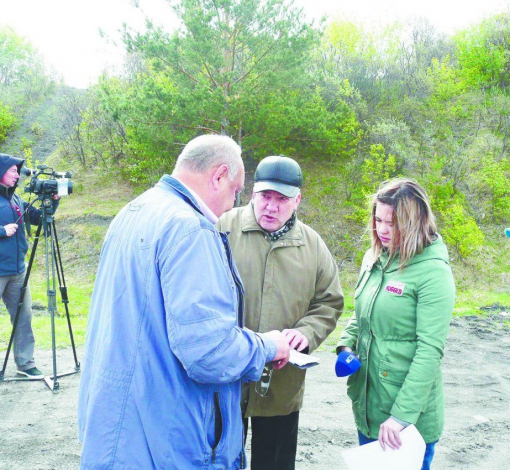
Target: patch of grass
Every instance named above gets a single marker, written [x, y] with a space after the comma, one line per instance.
[473, 302]
[41, 325]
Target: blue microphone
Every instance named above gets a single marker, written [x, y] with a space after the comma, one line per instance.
[346, 364]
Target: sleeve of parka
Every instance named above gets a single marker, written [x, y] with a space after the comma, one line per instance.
[327, 303]
[349, 336]
[201, 316]
[435, 302]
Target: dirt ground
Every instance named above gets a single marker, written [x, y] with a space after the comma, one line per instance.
[38, 428]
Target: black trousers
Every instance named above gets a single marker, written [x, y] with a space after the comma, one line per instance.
[273, 441]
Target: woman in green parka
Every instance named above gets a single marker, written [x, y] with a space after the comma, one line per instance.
[403, 305]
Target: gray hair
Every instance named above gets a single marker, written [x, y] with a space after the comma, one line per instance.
[208, 151]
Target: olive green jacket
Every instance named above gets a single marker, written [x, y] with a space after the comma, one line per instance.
[290, 283]
[399, 331]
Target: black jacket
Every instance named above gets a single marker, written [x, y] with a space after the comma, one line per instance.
[13, 249]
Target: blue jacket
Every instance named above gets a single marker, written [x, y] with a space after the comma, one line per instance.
[165, 351]
[13, 249]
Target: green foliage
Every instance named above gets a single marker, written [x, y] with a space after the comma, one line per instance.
[239, 68]
[7, 121]
[483, 52]
[366, 176]
[458, 228]
[492, 180]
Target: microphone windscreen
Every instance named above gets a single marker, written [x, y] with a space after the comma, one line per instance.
[346, 364]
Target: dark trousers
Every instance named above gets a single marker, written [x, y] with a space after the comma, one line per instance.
[273, 441]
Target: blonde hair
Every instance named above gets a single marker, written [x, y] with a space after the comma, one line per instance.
[414, 225]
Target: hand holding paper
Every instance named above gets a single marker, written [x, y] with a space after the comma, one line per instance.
[408, 457]
[303, 361]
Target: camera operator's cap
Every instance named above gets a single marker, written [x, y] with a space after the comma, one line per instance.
[507, 232]
[280, 174]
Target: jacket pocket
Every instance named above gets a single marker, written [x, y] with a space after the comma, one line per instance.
[391, 378]
[353, 386]
[216, 426]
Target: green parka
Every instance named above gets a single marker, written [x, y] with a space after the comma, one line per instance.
[399, 331]
[290, 283]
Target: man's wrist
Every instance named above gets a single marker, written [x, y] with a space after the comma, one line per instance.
[270, 347]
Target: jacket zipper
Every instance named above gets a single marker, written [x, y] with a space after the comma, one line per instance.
[218, 425]
[237, 281]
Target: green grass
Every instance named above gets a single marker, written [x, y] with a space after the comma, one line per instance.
[472, 302]
[41, 325]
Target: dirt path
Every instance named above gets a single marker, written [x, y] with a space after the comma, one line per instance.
[38, 428]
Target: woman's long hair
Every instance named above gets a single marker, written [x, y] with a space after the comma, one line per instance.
[414, 225]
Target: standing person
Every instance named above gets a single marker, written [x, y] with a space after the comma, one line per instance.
[292, 284]
[403, 305]
[13, 249]
[166, 350]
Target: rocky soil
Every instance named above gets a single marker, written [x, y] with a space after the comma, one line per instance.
[38, 428]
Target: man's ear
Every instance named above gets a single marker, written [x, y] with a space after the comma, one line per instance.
[298, 200]
[218, 174]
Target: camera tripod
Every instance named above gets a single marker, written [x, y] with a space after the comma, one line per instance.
[53, 262]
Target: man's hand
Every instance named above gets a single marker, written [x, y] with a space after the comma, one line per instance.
[55, 197]
[10, 229]
[282, 348]
[389, 433]
[296, 339]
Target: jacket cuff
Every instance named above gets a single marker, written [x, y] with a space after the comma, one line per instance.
[406, 415]
[269, 346]
[400, 421]
[347, 344]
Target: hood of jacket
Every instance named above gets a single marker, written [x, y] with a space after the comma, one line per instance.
[436, 250]
[6, 161]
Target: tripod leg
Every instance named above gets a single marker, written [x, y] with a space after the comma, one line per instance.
[51, 294]
[63, 292]
[21, 299]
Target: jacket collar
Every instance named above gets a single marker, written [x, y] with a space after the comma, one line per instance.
[4, 192]
[178, 187]
[249, 224]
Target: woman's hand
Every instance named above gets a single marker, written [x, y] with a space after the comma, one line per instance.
[389, 433]
[10, 229]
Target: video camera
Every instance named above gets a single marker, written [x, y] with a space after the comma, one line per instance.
[55, 183]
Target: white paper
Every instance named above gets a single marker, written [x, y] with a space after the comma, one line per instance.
[371, 456]
[303, 361]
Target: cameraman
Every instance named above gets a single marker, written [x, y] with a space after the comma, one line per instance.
[13, 248]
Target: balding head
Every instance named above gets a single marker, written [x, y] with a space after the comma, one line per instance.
[211, 165]
[210, 151]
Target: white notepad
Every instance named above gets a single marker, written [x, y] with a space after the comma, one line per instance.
[303, 361]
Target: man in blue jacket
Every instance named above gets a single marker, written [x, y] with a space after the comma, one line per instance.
[166, 350]
[14, 213]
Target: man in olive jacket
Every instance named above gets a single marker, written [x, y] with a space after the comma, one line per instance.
[292, 284]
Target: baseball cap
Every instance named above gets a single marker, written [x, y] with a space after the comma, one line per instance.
[280, 174]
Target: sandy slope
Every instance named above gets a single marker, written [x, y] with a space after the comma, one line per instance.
[38, 428]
